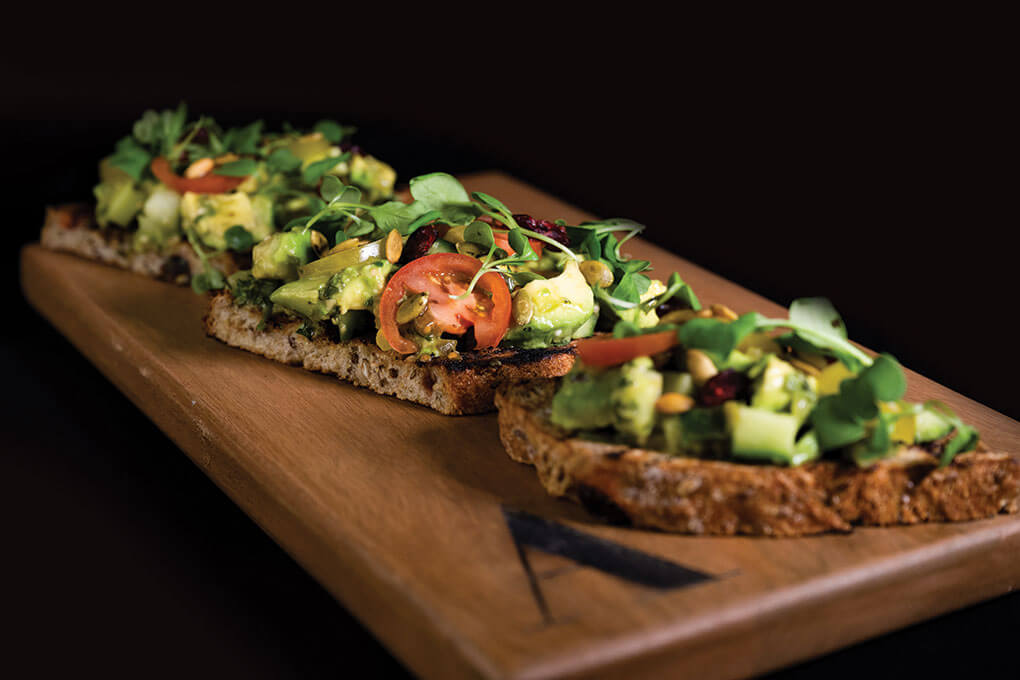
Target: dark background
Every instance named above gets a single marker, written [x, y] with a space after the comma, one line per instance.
[877, 185]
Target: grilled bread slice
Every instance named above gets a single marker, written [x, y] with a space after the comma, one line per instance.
[688, 495]
[459, 386]
[72, 229]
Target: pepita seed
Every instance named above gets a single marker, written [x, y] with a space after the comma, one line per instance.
[412, 307]
[523, 310]
[394, 246]
[596, 273]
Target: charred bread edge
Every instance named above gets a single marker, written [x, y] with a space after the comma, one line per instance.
[112, 247]
[651, 489]
[461, 386]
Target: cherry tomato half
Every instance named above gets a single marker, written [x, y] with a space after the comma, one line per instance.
[444, 277]
[615, 351]
[210, 184]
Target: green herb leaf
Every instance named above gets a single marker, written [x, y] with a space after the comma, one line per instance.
[716, 338]
[333, 131]
[442, 192]
[480, 233]
[817, 314]
[238, 239]
[131, 158]
[314, 171]
[239, 168]
[282, 160]
[519, 242]
[404, 217]
[210, 279]
[331, 188]
[839, 419]
[245, 139]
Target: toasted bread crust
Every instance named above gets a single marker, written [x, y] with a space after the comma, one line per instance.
[687, 495]
[72, 229]
[452, 386]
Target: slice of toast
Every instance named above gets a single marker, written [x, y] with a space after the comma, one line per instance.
[72, 229]
[688, 495]
[460, 386]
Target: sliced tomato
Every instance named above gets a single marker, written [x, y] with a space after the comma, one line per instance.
[210, 184]
[614, 351]
[502, 239]
[445, 277]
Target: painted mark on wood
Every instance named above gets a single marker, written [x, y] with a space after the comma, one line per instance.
[629, 564]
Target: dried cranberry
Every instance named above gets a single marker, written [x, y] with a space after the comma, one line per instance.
[419, 242]
[353, 148]
[556, 232]
[723, 386]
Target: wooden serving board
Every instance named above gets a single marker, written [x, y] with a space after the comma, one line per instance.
[455, 557]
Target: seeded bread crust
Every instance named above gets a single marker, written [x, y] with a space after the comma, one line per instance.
[72, 229]
[460, 386]
[686, 495]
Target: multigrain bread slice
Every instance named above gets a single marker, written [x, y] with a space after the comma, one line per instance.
[72, 229]
[687, 495]
[460, 386]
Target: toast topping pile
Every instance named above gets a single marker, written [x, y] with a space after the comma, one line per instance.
[707, 383]
[448, 272]
[222, 190]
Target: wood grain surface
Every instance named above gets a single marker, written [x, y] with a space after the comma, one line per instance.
[401, 513]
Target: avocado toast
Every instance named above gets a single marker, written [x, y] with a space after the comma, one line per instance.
[437, 300]
[185, 201]
[717, 424]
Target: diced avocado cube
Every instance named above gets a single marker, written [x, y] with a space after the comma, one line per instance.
[211, 215]
[806, 449]
[769, 388]
[561, 308]
[359, 286]
[759, 434]
[117, 202]
[634, 399]
[304, 297]
[930, 425]
[644, 318]
[280, 255]
[584, 399]
[374, 176]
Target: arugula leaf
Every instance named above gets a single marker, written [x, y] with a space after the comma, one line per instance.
[714, 337]
[282, 160]
[239, 168]
[333, 131]
[238, 239]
